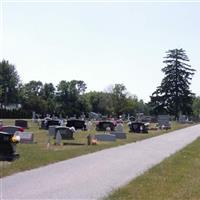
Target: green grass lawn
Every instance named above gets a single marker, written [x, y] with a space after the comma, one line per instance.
[176, 178]
[36, 155]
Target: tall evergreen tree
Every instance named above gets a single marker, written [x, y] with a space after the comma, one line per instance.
[173, 96]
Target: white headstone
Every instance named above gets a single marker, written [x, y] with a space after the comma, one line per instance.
[33, 115]
[120, 128]
[89, 125]
[58, 138]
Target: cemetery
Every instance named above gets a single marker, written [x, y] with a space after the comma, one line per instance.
[38, 147]
[70, 117]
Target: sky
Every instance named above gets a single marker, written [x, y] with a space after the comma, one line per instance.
[100, 42]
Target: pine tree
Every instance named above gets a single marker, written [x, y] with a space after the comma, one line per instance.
[173, 96]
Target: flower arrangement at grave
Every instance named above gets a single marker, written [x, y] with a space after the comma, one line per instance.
[15, 139]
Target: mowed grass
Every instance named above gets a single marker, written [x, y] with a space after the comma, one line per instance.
[38, 154]
[177, 178]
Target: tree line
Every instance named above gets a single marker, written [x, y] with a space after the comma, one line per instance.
[70, 98]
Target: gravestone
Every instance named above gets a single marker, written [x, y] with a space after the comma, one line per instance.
[183, 119]
[42, 123]
[58, 138]
[139, 116]
[51, 123]
[89, 125]
[163, 122]
[119, 128]
[95, 116]
[62, 122]
[7, 147]
[25, 137]
[138, 127]
[105, 137]
[146, 119]
[21, 123]
[108, 130]
[34, 116]
[103, 125]
[52, 130]
[65, 132]
[77, 124]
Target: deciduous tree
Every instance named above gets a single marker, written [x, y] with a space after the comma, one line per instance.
[9, 82]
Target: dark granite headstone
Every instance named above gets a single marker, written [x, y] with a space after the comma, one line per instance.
[7, 147]
[103, 125]
[65, 132]
[21, 123]
[138, 127]
[76, 123]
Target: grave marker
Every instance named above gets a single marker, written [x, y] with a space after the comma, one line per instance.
[105, 137]
[22, 123]
[25, 137]
[163, 122]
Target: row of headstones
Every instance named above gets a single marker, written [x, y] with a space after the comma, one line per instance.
[64, 133]
[60, 133]
[25, 137]
[160, 119]
[18, 122]
[164, 120]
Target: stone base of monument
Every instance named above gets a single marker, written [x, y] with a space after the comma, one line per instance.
[105, 137]
[119, 135]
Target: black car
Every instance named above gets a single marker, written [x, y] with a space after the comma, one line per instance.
[103, 125]
[77, 124]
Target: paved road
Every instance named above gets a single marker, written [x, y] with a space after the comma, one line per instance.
[93, 176]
